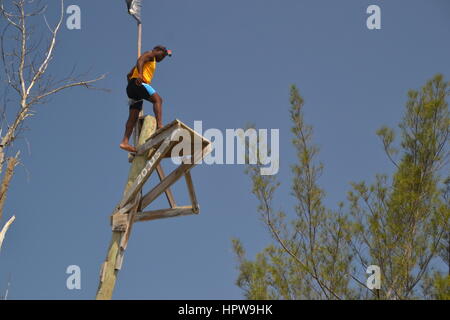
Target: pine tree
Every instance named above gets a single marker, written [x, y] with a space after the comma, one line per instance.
[399, 223]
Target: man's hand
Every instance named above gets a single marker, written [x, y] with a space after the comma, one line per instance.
[139, 81]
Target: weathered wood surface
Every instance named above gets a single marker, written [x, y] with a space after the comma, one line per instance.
[125, 214]
[156, 139]
[173, 177]
[134, 186]
[190, 186]
[163, 214]
[114, 258]
[119, 222]
[169, 194]
[197, 141]
[139, 162]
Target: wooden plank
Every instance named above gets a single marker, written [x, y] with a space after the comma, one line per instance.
[126, 235]
[146, 172]
[123, 243]
[156, 139]
[169, 194]
[119, 222]
[164, 184]
[197, 141]
[191, 190]
[197, 137]
[171, 179]
[126, 209]
[163, 214]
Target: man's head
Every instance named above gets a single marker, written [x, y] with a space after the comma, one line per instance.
[161, 52]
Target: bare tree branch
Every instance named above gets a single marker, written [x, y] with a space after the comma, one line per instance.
[5, 229]
[12, 162]
[25, 63]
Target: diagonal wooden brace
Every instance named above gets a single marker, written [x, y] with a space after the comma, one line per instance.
[163, 214]
[146, 171]
[190, 186]
[169, 194]
[173, 177]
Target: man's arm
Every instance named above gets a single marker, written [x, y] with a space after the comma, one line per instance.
[147, 56]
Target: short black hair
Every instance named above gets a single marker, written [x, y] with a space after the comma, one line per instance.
[160, 47]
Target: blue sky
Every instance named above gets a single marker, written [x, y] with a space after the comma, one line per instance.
[233, 64]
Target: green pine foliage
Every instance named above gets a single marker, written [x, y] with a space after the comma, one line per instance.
[399, 223]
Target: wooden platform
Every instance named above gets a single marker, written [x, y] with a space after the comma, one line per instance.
[197, 141]
[153, 147]
[151, 151]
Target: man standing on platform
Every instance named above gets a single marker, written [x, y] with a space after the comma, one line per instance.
[139, 89]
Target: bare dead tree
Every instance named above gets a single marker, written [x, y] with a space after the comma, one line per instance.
[26, 56]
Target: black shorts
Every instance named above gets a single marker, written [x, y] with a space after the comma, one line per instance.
[136, 94]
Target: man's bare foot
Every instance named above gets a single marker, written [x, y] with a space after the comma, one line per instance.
[128, 147]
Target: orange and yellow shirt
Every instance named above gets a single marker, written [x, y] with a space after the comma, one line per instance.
[148, 71]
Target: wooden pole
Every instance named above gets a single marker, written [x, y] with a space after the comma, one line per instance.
[139, 39]
[137, 128]
[111, 266]
[141, 114]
